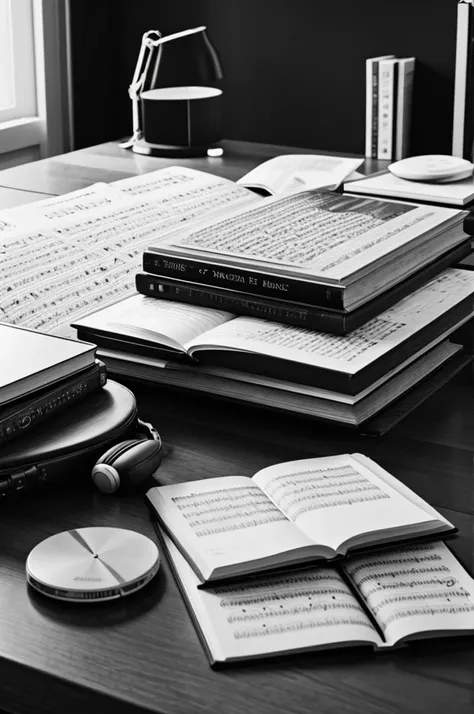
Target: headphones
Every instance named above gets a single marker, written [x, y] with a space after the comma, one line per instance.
[126, 465]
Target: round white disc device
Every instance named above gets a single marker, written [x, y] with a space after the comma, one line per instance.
[432, 167]
[91, 564]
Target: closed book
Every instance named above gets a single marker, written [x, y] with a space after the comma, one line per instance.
[304, 511]
[32, 360]
[404, 107]
[21, 416]
[372, 104]
[363, 601]
[316, 247]
[463, 108]
[457, 193]
[343, 363]
[387, 108]
[291, 313]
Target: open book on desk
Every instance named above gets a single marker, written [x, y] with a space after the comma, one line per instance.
[346, 363]
[291, 513]
[295, 172]
[378, 600]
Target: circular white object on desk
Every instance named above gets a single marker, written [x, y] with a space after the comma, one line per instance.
[432, 167]
[92, 564]
[166, 94]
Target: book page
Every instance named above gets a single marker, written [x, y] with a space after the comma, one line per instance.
[344, 353]
[87, 246]
[159, 321]
[313, 233]
[49, 282]
[334, 499]
[270, 615]
[419, 590]
[294, 172]
[225, 521]
[190, 190]
[76, 203]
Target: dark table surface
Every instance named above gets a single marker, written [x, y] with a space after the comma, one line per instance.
[141, 654]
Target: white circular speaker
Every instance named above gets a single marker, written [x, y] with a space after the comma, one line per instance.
[435, 168]
[91, 564]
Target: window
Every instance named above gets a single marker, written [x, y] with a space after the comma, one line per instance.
[17, 60]
[34, 102]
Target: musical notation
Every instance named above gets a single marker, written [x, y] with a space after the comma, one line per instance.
[227, 509]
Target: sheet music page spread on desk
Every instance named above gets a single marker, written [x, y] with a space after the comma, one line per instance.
[69, 255]
[294, 512]
[382, 600]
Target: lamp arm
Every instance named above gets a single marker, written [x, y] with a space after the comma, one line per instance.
[141, 69]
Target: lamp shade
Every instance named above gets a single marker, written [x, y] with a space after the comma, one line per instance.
[184, 59]
[181, 104]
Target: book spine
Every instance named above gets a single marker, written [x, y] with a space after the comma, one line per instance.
[375, 109]
[406, 72]
[369, 113]
[386, 115]
[248, 281]
[288, 314]
[29, 413]
[462, 62]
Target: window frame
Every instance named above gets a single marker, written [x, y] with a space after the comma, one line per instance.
[49, 127]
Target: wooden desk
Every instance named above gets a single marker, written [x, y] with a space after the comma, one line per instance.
[142, 654]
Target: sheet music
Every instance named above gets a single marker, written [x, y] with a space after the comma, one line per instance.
[338, 498]
[415, 589]
[301, 610]
[48, 211]
[346, 353]
[226, 521]
[314, 232]
[70, 255]
[189, 189]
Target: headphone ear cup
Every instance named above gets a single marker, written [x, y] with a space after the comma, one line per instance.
[106, 478]
[126, 465]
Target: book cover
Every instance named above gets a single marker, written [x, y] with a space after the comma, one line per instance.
[406, 72]
[19, 417]
[292, 313]
[457, 193]
[31, 360]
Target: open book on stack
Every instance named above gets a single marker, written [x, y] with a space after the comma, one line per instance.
[378, 600]
[290, 513]
[339, 378]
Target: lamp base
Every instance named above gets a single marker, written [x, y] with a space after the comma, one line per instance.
[166, 150]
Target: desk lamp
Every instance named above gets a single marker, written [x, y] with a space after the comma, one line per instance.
[176, 110]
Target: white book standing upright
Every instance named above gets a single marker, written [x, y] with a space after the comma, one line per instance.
[463, 82]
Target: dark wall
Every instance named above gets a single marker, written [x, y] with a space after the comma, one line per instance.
[295, 69]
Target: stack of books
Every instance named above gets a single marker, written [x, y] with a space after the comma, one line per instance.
[40, 376]
[311, 554]
[311, 301]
